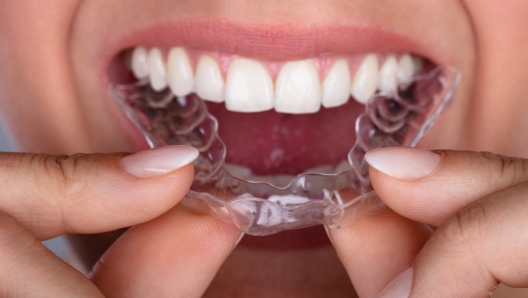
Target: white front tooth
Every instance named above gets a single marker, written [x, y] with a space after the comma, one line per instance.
[387, 76]
[158, 79]
[366, 79]
[209, 81]
[336, 86]
[248, 87]
[139, 63]
[418, 64]
[298, 89]
[179, 72]
[405, 68]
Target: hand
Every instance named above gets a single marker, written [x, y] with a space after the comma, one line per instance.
[45, 196]
[478, 201]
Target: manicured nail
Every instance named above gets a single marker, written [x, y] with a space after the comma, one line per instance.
[404, 163]
[400, 287]
[158, 161]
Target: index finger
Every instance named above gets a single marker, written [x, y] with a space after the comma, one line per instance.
[54, 195]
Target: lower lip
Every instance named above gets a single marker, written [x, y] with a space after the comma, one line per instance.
[308, 238]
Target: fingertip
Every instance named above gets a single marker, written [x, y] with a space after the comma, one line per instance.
[158, 161]
[404, 163]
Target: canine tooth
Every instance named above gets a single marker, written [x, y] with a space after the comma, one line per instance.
[179, 72]
[387, 75]
[140, 66]
[297, 89]
[248, 87]
[209, 81]
[366, 79]
[336, 85]
[405, 68]
[158, 79]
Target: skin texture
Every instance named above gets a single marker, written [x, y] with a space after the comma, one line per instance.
[52, 101]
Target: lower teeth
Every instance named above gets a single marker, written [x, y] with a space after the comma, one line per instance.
[259, 208]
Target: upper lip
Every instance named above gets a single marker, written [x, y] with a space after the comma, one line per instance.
[271, 42]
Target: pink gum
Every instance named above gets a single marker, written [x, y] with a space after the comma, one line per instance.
[322, 64]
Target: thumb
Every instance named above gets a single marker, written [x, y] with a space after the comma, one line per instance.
[430, 186]
[54, 195]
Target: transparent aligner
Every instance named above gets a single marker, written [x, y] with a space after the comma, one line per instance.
[399, 118]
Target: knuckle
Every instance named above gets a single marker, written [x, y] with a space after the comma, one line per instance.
[64, 171]
[506, 169]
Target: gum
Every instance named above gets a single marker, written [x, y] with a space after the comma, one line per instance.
[258, 208]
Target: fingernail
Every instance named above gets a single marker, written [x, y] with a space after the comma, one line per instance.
[158, 161]
[404, 163]
[400, 287]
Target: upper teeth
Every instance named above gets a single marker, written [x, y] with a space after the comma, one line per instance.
[249, 87]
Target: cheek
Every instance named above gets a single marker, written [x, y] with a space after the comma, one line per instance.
[498, 111]
[37, 99]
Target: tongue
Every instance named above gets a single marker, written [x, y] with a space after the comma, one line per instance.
[271, 143]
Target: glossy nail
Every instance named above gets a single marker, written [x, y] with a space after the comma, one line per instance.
[400, 287]
[158, 161]
[404, 163]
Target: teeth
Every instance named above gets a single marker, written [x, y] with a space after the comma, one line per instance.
[405, 68]
[156, 70]
[325, 169]
[209, 81]
[387, 75]
[336, 86]
[140, 66]
[249, 87]
[238, 171]
[283, 180]
[366, 79]
[298, 89]
[179, 72]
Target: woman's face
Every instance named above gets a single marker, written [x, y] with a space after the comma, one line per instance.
[57, 60]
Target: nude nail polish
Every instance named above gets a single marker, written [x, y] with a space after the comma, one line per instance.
[158, 161]
[404, 163]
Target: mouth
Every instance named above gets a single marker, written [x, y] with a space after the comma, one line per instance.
[268, 124]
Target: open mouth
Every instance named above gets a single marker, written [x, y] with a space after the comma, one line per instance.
[282, 142]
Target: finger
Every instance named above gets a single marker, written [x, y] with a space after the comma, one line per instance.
[52, 195]
[429, 186]
[377, 248]
[29, 269]
[175, 255]
[483, 244]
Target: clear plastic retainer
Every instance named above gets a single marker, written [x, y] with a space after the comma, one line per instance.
[399, 118]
